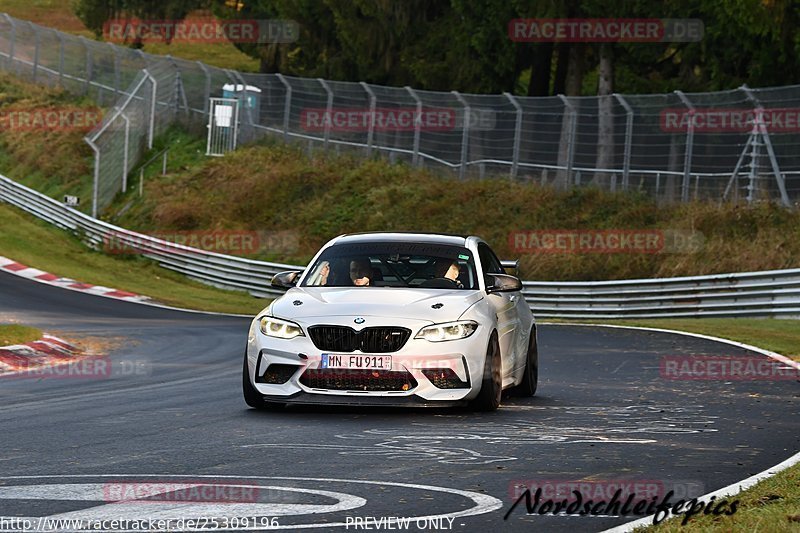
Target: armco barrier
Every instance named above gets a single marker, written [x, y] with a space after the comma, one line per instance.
[764, 294]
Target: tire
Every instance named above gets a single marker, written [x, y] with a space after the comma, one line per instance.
[252, 397]
[530, 378]
[489, 397]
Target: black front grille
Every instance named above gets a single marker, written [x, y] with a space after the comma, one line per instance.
[368, 340]
[358, 380]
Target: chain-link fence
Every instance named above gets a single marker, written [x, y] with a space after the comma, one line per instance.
[732, 145]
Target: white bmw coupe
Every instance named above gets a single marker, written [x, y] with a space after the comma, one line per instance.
[394, 319]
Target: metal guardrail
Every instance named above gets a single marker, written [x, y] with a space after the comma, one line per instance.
[769, 293]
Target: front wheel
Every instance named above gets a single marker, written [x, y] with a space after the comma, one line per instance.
[488, 398]
[530, 378]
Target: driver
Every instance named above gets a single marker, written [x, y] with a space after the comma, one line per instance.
[448, 269]
[360, 272]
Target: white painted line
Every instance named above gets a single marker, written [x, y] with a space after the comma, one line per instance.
[733, 488]
[762, 351]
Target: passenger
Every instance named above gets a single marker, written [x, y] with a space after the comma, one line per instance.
[360, 272]
[320, 277]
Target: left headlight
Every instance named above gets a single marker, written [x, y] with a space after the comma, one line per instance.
[282, 329]
[448, 331]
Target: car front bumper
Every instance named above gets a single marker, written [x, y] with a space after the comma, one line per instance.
[284, 370]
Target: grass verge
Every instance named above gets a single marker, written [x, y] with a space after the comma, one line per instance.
[37, 244]
[773, 504]
[16, 334]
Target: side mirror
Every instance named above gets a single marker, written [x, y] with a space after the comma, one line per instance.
[502, 283]
[511, 266]
[286, 280]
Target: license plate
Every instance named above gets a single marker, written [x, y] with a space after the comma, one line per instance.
[357, 362]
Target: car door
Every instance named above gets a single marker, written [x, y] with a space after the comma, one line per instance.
[504, 305]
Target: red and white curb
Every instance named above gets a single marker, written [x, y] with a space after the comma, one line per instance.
[47, 351]
[18, 269]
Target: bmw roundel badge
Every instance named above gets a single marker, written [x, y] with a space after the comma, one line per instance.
[359, 320]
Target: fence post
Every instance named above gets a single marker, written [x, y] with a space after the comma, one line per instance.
[573, 124]
[687, 160]
[372, 104]
[207, 90]
[153, 96]
[125, 153]
[465, 135]
[762, 129]
[517, 134]
[329, 111]
[626, 159]
[89, 64]
[287, 106]
[37, 46]
[60, 58]
[417, 126]
[96, 184]
[13, 42]
[117, 74]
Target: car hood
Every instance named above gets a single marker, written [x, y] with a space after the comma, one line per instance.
[375, 301]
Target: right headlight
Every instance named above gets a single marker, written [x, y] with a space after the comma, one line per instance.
[448, 331]
[281, 329]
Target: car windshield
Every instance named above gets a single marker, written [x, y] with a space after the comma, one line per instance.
[394, 264]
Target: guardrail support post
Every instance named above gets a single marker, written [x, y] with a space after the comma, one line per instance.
[372, 104]
[329, 111]
[287, 106]
[517, 134]
[687, 160]
[626, 159]
[465, 135]
[417, 125]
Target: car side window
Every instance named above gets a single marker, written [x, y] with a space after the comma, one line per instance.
[489, 261]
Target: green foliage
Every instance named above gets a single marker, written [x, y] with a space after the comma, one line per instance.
[464, 45]
[95, 13]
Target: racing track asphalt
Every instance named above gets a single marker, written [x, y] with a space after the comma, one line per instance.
[602, 412]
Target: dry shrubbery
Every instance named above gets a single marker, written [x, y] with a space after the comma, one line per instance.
[279, 188]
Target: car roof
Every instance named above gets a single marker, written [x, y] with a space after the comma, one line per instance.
[380, 236]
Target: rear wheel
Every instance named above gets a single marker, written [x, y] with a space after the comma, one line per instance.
[252, 397]
[492, 383]
[530, 378]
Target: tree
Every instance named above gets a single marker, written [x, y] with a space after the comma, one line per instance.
[96, 13]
